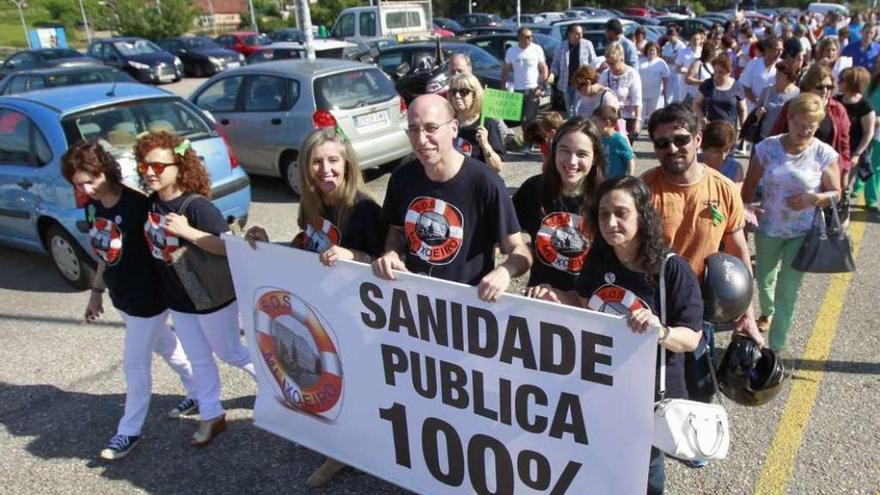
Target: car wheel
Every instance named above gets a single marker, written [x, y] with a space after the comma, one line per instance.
[290, 172]
[74, 265]
[198, 71]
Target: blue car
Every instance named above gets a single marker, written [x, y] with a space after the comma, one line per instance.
[40, 211]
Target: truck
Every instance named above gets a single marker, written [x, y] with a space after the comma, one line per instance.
[402, 20]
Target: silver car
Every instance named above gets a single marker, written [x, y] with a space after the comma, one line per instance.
[266, 110]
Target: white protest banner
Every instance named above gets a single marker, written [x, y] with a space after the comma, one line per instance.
[419, 382]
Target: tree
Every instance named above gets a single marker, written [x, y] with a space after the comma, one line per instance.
[139, 18]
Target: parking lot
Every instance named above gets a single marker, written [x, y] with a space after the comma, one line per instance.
[61, 390]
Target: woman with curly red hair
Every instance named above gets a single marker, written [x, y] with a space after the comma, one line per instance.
[116, 214]
[181, 218]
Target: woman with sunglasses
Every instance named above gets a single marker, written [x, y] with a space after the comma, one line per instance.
[180, 214]
[550, 205]
[625, 261]
[798, 172]
[834, 129]
[481, 141]
[338, 220]
[116, 214]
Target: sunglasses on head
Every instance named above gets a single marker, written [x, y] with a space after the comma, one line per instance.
[158, 167]
[679, 140]
[460, 91]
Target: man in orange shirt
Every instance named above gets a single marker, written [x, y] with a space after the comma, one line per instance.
[700, 208]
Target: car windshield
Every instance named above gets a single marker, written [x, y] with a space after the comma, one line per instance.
[87, 77]
[60, 53]
[353, 89]
[199, 43]
[599, 41]
[136, 47]
[117, 126]
[254, 39]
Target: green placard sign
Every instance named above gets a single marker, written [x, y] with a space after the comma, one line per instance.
[502, 105]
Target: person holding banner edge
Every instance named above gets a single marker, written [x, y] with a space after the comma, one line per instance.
[337, 217]
[180, 214]
[621, 277]
[478, 137]
[116, 215]
[447, 212]
[550, 205]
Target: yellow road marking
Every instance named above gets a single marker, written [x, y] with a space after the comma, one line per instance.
[779, 464]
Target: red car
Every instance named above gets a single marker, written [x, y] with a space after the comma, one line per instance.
[244, 42]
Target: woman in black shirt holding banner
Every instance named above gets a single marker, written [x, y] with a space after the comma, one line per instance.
[116, 214]
[550, 205]
[337, 218]
[181, 218]
[621, 277]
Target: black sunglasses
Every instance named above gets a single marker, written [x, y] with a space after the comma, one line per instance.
[679, 140]
[460, 91]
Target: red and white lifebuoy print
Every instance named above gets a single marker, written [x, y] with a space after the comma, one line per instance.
[561, 243]
[105, 236]
[615, 300]
[299, 351]
[162, 244]
[434, 230]
[320, 238]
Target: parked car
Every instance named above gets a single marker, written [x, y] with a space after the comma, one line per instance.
[398, 19]
[560, 29]
[287, 49]
[480, 30]
[479, 19]
[201, 56]
[448, 24]
[287, 34]
[141, 59]
[552, 17]
[32, 80]
[47, 57]
[266, 109]
[687, 27]
[243, 42]
[575, 14]
[497, 44]
[40, 211]
[526, 19]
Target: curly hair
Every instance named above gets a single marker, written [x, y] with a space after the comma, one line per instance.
[92, 158]
[652, 247]
[585, 75]
[552, 183]
[191, 175]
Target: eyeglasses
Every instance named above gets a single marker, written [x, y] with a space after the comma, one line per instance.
[679, 140]
[825, 87]
[463, 92]
[429, 129]
[158, 167]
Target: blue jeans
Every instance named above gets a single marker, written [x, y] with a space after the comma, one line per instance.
[571, 96]
[656, 473]
[696, 366]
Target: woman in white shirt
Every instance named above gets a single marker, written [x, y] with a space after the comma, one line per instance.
[625, 82]
[700, 70]
[654, 73]
[828, 54]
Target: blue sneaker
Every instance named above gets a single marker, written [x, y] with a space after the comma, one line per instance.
[119, 447]
[696, 464]
[187, 407]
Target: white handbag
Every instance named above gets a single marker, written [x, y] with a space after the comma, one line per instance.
[687, 429]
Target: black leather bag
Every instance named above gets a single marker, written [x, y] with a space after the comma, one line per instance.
[751, 128]
[826, 249]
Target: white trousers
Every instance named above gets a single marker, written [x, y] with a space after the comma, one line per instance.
[142, 337]
[649, 104]
[203, 336]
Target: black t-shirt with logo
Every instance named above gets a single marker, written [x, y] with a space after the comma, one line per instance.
[466, 142]
[612, 288]
[451, 228]
[559, 240]
[363, 230]
[117, 238]
[202, 215]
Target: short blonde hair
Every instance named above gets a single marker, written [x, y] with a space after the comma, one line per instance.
[468, 81]
[807, 104]
[613, 52]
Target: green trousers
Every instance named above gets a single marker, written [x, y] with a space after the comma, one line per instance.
[778, 283]
[871, 187]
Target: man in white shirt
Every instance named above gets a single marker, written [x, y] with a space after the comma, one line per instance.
[669, 53]
[528, 68]
[761, 72]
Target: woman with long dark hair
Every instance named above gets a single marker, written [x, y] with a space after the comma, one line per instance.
[116, 214]
[550, 205]
[180, 214]
[626, 257]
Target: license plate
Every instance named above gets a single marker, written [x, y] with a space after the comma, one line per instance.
[232, 65]
[375, 119]
[166, 77]
[544, 100]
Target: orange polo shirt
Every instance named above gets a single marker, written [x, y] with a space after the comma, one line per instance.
[696, 217]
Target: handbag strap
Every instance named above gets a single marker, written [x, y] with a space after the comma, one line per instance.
[663, 321]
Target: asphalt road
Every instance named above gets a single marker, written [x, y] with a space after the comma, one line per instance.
[61, 392]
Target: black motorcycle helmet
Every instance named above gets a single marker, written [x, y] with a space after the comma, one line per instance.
[727, 288]
[748, 374]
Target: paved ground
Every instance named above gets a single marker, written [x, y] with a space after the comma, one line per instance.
[61, 389]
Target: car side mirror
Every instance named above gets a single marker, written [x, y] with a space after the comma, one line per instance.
[402, 70]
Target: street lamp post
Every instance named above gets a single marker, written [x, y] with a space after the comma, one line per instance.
[82, 9]
[253, 16]
[23, 24]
